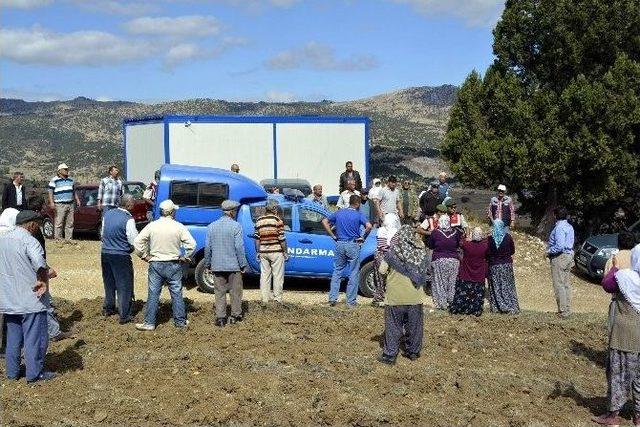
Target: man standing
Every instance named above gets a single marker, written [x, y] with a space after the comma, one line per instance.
[15, 195]
[367, 207]
[350, 174]
[429, 200]
[389, 199]
[443, 187]
[271, 250]
[408, 203]
[110, 191]
[560, 252]
[118, 237]
[317, 197]
[501, 207]
[345, 196]
[348, 239]
[456, 219]
[23, 282]
[62, 194]
[225, 257]
[235, 168]
[166, 245]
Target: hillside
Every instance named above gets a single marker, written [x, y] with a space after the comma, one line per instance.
[35, 136]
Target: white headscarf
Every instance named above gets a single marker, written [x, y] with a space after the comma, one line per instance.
[8, 220]
[390, 227]
[629, 280]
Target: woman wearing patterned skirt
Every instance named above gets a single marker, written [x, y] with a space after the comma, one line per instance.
[469, 295]
[502, 283]
[445, 262]
[623, 363]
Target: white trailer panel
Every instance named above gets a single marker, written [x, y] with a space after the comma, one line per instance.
[317, 152]
[221, 144]
[144, 150]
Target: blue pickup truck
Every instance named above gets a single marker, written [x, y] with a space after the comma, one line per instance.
[199, 192]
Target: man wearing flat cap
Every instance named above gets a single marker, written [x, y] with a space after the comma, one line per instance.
[224, 256]
[166, 245]
[62, 194]
[23, 283]
[271, 250]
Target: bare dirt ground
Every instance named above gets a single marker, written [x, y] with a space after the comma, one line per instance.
[309, 364]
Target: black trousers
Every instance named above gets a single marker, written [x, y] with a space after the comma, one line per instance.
[399, 320]
[117, 275]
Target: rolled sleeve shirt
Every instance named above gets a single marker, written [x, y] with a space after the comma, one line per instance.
[561, 239]
[224, 246]
[110, 191]
[21, 257]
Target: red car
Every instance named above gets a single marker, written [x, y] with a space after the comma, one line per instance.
[87, 217]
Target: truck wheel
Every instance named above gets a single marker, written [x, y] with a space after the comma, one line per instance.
[47, 229]
[366, 279]
[204, 279]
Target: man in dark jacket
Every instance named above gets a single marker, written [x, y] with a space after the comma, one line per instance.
[15, 195]
[429, 200]
[349, 174]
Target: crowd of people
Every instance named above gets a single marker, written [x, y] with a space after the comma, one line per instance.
[423, 244]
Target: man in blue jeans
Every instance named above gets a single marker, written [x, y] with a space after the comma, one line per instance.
[166, 245]
[348, 240]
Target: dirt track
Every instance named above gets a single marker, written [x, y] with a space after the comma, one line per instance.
[302, 365]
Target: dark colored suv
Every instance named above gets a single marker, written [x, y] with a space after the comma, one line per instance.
[87, 217]
[592, 256]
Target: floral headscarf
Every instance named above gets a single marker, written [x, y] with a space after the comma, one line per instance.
[408, 256]
[499, 231]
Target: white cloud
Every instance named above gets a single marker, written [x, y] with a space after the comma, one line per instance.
[280, 96]
[476, 13]
[31, 94]
[180, 26]
[181, 53]
[320, 57]
[39, 46]
[24, 4]
[185, 52]
[119, 7]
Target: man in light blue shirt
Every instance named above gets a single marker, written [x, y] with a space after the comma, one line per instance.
[24, 279]
[225, 258]
[560, 252]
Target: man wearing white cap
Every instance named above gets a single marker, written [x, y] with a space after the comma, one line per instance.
[166, 245]
[501, 207]
[62, 194]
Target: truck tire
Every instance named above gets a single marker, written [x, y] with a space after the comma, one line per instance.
[47, 228]
[366, 279]
[204, 279]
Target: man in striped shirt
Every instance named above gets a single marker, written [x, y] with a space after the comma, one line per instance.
[62, 194]
[271, 250]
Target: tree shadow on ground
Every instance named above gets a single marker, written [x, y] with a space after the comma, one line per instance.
[67, 360]
[599, 357]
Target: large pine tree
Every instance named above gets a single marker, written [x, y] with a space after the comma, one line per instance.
[557, 115]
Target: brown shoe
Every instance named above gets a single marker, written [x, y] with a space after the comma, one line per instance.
[608, 419]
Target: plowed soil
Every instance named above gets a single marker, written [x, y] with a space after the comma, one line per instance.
[315, 365]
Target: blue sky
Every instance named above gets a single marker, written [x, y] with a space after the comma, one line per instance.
[273, 50]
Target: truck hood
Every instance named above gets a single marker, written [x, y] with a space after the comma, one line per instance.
[603, 241]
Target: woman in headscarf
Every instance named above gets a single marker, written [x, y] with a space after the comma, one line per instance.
[385, 238]
[502, 283]
[622, 258]
[8, 220]
[623, 363]
[445, 262]
[469, 295]
[405, 266]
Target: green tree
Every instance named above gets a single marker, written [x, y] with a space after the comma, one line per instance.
[557, 115]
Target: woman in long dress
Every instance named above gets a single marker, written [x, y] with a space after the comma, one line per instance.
[503, 297]
[623, 363]
[445, 262]
[469, 296]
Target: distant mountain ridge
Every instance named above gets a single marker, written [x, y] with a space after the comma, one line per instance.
[36, 136]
